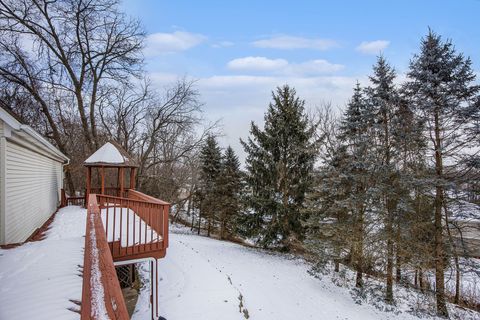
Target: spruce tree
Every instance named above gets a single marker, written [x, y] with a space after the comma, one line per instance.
[442, 90]
[383, 98]
[279, 167]
[329, 225]
[356, 137]
[230, 187]
[411, 188]
[211, 166]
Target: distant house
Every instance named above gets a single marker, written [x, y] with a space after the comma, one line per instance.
[31, 179]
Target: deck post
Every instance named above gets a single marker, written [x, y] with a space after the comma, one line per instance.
[103, 179]
[89, 184]
[132, 178]
[121, 177]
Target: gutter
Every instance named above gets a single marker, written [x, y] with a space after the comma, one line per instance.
[17, 125]
[32, 133]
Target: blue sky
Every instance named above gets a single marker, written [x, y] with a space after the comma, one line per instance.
[240, 50]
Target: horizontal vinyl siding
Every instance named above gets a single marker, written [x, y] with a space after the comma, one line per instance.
[2, 176]
[32, 183]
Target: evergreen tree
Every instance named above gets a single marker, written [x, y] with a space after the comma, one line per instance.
[230, 186]
[356, 137]
[329, 225]
[279, 163]
[209, 191]
[412, 218]
[383, 97]
[442, 92]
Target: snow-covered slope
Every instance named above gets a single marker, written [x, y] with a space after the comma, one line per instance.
[202, 278]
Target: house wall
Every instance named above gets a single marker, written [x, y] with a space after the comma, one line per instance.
[30, 182]
[2, 183]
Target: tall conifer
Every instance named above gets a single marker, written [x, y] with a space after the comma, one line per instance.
[279, 164]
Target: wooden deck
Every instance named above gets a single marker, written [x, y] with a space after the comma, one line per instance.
[118, 229]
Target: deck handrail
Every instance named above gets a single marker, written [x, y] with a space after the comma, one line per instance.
[136, 227]
[110, 191]
[101, 293]
[134, 194]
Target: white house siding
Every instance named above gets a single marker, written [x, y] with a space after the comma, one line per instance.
[2, 181]
[32, 184]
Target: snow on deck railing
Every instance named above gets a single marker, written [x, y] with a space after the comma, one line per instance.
[101, 294]
[136, 227]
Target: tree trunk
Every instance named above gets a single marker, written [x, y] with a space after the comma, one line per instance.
[189, 211]
[439, 198]
[199, 220]
[359, 249]
[209, 224]
[416, 279]
[398, 259]
[420, 279]
[389, 212]
[389, 292]
[390, 251]
[455, 258]
[71, 185]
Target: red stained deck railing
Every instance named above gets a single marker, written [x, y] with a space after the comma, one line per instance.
[118, 229]
[101, 294]
[135, 228]
[71, 201]
[110, 191]
[76, 201]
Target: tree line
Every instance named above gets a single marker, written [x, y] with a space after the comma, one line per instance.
[373, 189]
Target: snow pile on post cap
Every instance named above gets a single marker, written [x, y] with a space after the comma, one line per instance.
[108, 153]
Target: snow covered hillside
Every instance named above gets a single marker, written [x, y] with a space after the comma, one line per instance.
[203, 278]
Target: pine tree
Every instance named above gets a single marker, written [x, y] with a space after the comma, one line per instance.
[329, 225]
[441, 88]
[208, 193]
[383, 97]
[355, 135]
[410, 187]
[230, 187]
[279, 164]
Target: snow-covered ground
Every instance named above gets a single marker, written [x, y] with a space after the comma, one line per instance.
[39, 280]
[202, 278]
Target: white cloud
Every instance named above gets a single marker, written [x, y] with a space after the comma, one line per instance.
[372, 47]
[159, 43]
[239, 99]
[314, 67]
[223, 44]
[282, 66]
[290, 42]
[256, 64]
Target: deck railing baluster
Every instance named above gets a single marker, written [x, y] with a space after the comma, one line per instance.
[151, 228]
[142, 223]
[134, 227]
[128, 223]
[121, 231]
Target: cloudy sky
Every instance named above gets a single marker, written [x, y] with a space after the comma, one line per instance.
[239, 51]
